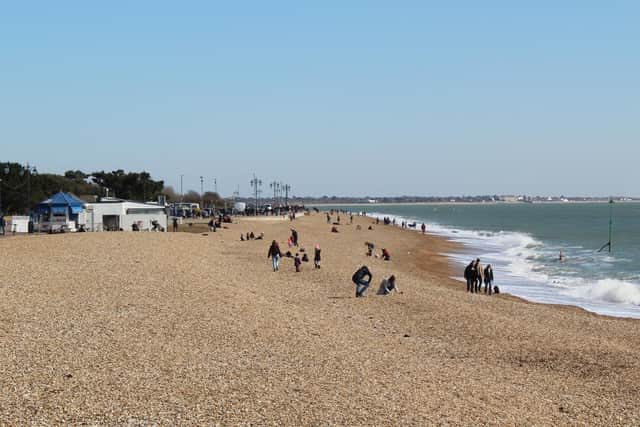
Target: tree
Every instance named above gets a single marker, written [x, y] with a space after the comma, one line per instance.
[171, 194]
[191, 197]
[212, 199]
[76, 176]
[130, 186]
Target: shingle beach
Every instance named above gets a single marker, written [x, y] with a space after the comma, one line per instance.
[196, 329]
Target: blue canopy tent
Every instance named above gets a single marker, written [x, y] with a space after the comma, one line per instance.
[60, 211]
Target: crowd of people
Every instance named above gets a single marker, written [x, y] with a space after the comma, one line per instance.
[361, 278]
[475, 274]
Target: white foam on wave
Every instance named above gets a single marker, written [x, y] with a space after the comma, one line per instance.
[608, 290]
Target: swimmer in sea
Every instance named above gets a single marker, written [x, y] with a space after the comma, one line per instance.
[561, 257]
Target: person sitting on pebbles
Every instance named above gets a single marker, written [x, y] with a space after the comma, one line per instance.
[388, 285]
[386, 256]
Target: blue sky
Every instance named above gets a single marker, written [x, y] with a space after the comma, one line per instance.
[344, 98]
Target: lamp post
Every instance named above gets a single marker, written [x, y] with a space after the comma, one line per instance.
[201, 192]
[28, 170]
[287, 188]
[276, 187]
[142, 179]
[255, 183]
[181, 193]
[3, 171]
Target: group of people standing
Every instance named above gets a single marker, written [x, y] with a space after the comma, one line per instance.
[475, 276]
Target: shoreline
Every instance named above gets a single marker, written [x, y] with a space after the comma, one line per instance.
[462, 248]
[469, 203]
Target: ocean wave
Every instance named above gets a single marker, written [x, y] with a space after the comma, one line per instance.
[608, 290]
[529, 268]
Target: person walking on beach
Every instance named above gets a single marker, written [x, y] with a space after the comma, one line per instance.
[294, 237]
[275, 254]
[316, 256]
[359, 280]
[488, 279]
[328, 218]
[3, 224]
[479, 275]
[424, 228]
[175, 224]
[469, 275]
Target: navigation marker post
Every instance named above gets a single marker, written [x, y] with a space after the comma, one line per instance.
[608, 244]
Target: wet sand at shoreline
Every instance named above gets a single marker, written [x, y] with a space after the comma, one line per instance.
[183, 328]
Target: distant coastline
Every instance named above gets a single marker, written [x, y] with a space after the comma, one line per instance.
[465, 203]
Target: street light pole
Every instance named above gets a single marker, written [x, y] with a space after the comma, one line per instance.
[274, 186]
[287, 188]
[28, 170]
[255, 182]
[201, 192]
[181, 193]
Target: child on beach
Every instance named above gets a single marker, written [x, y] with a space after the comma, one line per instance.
[370, 248]
[316, 257]
[297, 262]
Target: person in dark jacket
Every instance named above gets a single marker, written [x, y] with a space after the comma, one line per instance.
[359, 279]
[488, 279]
[297, 262]
[316, 257]
[294, 236]
[275, 254]
[469, 275]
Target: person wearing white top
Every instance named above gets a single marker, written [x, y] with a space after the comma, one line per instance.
[388, 285]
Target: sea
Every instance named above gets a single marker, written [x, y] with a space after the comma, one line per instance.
[522, 241]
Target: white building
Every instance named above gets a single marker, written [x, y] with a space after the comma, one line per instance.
[115, 214]
[17, 224]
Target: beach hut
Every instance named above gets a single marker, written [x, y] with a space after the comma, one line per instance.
[60, 212]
